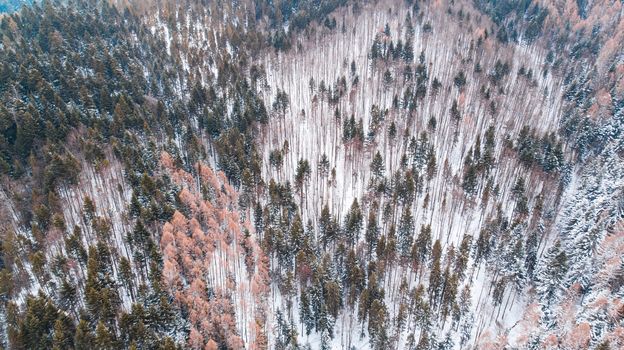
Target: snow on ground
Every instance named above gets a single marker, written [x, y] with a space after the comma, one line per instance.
[310, 128]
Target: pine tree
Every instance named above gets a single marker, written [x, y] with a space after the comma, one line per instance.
[353, 223]
[305, 315]
[461, 263]
[420, 150]
[67, 295]
[530, 261]
[376, 48]
[125, 272]
[460, 79]
[63, 331]
[455, 114]
[387, 78]
[104, 339]
[332, 293]
[323, 165]
[135, 206]
[377, 165]
[406, 231]
[551, 274]
[328, 227]
[423, 342]
[167, 344]
[519, 188]
[465, 329]
[276, 159]
[469, 183]
[359, 130]
[423, 244]
[302, 175]
[25, 136]
[431, 164]
[392, 132]
[297, 233]
[449, 292]
[286, 335]
[377, 328]
[435, 276]
[372, 231]
[83, 339]
[488, 153]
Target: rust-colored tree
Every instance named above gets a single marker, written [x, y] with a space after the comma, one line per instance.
[214, 272]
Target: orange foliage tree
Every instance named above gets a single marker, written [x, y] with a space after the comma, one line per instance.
[213, 271]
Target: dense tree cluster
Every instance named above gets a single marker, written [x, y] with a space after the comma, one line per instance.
[199, 246]
[86, 85]
[546, 152]
[517, 20]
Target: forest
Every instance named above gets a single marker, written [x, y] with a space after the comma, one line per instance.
[304, 174]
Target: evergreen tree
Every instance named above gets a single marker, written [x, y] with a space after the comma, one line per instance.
[63, 332]
[37, 327]
[423, 342]
[455, 114]
[305, 314]
[377, 328]
[423, 244]
[531, 252]
[328, 227]
[372, 231]
[302, 175]
[406, 231]
[353, 223]
[460, 79]
[377, 165]
[83, 339]
[469, 183]
[551, 274]
[435, 276]
[67, 295]
[104, 339]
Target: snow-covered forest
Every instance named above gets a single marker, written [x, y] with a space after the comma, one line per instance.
[312, 174]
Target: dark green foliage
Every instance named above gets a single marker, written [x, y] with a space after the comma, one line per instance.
[377, 165]
[454, 111]
[353, 223]
[330, 23]
[500, 71]
[435, 276]
[299, 14]
[100, 91]
[352, 130]
[460, 79]
[385, 48]
[281, 101]
[515, 17]
[84, 338]
[469, 183]
[302, 175]
[328, 226]
[551, 275]
[276, 159]
[546, 152]
[422, 246]
[41, 326]
[405, 232]
[286, 333]
[101, 294]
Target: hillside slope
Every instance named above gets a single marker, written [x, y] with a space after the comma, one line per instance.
[333, 174]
